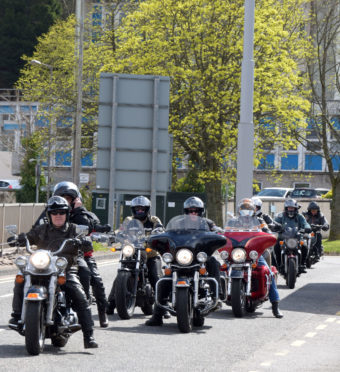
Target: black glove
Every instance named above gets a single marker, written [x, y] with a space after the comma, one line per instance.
[22, 239]
[85, 244]
[103, 228]
[325, 227]
[308, 230]
[12, 240]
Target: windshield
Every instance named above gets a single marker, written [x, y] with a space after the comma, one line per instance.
[272, 192]
[187, 222]
[243, 223]
[131, 230]
[289, 232]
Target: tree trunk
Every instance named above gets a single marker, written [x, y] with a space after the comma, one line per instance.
[334, 233]
[214, 201]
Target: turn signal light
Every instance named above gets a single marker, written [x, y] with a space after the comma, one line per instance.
[281, 242]
[224, 266]
[61, 280]
[167, 271]
[148, 250]
[181, 282]
[253, 265]
[203, 270]
[312, 234]
[301, 243]
[19, 279]
[112, 249]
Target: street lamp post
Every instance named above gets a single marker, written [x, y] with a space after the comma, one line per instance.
[37, 177]
[38, 63]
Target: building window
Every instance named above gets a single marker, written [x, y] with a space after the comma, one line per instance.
[336, 163]
[313, 162]
[63, 158]
[267, 162]
[290, 162]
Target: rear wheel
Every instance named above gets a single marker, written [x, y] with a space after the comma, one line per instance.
[238, 297]
[35, 327]
[184, 310]
[291, 273]
[124, 294]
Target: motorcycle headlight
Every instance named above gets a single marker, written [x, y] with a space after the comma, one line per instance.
[128, 250]
[291, 243]
[40, 260]
[238, 255]
[21, 262]
[253, 255]
[61, 263]
[202, 257]
[224, 255]
[167, 257]
[184, 257]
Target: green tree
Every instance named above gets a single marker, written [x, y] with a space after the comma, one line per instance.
[21, 22]
[33, 151]
[198, 43]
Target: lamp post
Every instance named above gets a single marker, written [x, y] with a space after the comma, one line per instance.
[37, 177]
[245, 140]
[39, 63]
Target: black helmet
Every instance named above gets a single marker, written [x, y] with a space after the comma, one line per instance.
[57, 203]
[291, 203]
[194, 203]
[67, 188]
[313, 205]
[140, 207]
[246, 207]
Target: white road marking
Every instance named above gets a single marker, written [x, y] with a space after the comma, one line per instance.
[266, 364]
[330, 320]
[107, 263]
[282, 353]
[298, 343]
[7, 295]
[338, 321]
[310, 334]
[321, 326]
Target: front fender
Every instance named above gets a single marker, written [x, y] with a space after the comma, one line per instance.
[36, 293]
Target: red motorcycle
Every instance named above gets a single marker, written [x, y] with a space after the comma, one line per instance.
[247, 283]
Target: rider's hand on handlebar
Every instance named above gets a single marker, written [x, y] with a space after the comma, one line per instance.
[12, 240]
[22, 239]
[103, 228]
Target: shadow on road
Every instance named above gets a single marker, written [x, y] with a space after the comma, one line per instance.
[315, 298]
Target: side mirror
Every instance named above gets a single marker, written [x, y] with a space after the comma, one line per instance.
[11, 229]
[82, 230]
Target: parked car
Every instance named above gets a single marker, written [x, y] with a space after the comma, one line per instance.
[274, 192]
[10, 185]
[308, 193]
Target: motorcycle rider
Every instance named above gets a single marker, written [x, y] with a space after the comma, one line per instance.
[50, 235]
[273, 226]
[246, 211]
[192, 206]
[140, 208]
[291, 218]
[314, 217]
[87, 266]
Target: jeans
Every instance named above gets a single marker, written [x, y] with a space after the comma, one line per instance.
[273, 292]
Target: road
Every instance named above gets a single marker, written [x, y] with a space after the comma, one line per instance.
[306, 339]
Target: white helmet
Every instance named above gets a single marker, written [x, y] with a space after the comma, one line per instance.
[258, 204]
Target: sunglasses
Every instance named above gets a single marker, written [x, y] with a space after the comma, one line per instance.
[140, 208]
[54, 213]
[193, 211]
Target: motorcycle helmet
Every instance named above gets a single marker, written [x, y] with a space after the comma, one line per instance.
[246, 207]
[291, 203]
[67, 188]
[258, 205]
[57, 203]
[194, 203]
[313, 206]
[140, 207]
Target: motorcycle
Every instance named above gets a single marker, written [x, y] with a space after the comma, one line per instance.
[247, 283]
[132, 286]
[185, 247]
[313, 254]
[46, 312]
[292, 239]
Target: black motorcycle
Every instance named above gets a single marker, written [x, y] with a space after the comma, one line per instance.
[131, 286]
[313, 254]
[291, 241]
[185, 247]
[46, 312]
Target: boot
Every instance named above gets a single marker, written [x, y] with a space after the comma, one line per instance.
[14, 321]
[110, 308]
[302, 269]
[276, 310]
[89, 341]
[103, 321]
[166, 314]
[155, 320]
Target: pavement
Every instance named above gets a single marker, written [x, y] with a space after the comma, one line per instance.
[7, 265]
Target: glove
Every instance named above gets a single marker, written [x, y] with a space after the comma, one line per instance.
[11, 241]
[85, 244]
[325, 227]
[308, 230]
[22, 239]
[103, 228]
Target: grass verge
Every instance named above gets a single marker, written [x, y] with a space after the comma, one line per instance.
[331, 247]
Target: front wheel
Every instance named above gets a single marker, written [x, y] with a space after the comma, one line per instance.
[124, 294]
[238, 297]
[184, 309]
[291, 273]
[35, 327]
